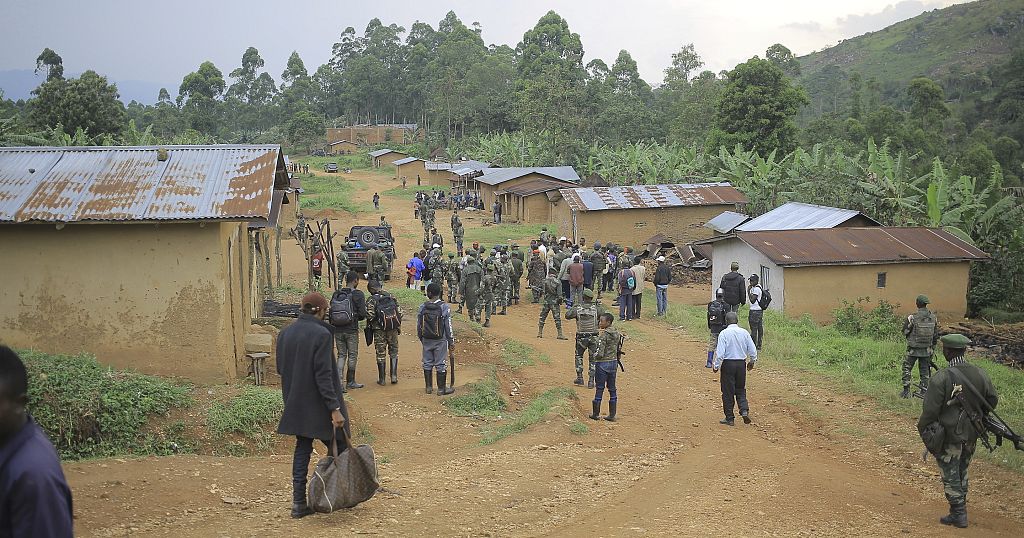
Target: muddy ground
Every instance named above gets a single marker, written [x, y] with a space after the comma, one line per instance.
[815, 462]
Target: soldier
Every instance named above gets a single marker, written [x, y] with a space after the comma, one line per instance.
[586, 314]
[343, 267]
[436, 239]
[469, 288]
[600, 261]
[552, 290]
[954, 391]
[504, 273]
[488, 286]
[376, 264]
[716, 323]
[605, 365]
[451, 275]
[536, 272]
[545, 236]
[300, 230]
[385, 320]
[516, 274]
[921, 330]
[436, 265]
[383, 222]
[456, 221]
[459, 233]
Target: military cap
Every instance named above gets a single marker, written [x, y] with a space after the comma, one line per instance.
[597, 245]
[515, 245]
[544, 228]
[588, 293]
[955, 341]
[490, 267]
[923, 299]
[451, 254]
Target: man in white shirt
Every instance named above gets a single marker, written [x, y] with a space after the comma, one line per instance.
[640, 271]
[756, 316]
[731, 357]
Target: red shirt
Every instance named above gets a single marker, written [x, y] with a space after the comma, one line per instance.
[575, 271]
[318, 263]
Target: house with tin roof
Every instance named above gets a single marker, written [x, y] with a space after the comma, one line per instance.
[342, 147]
[494, 180]
[161, 261]
[385, 156]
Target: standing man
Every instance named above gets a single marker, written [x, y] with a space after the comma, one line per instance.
[434, 330]
[605, 366]
[350, 303]
[588, 270]
[35, 499]
[488, 287]
[956, 391]
[545, 236]
[735, 290]
[418, 182]
[317, 263]
[376, 201]
[385, 317]
[403, 182]
[435, 238]
[504, 274]
[376, 264]
[756, 316]
[626, 282]
[469, 287]
[496, 209]
[564, 261]
[343, 267]
[662, 278]
[459, 232]
[640, 272]
[516, 274]
[600, 261]
[451, 275]
[734, 349]
[716, 323]
[586, 314]
[311, 389]
[576, 280]
[551, 290]
[922, 331]
[610, 270]
[535, 275]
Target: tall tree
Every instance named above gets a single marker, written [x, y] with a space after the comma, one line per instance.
[199, 95]
[51, 62]
[784, 59]
[87, 103]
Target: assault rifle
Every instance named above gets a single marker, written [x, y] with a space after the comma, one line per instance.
[985, 423]
[619, 352]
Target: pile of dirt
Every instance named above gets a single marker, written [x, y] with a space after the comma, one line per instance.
[681, 274]
[1004, 343]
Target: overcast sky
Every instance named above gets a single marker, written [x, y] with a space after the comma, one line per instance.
[161, 42]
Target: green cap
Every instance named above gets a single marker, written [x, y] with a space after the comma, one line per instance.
[451, 254]
[923, 299]
[955, 341]
[588, 293]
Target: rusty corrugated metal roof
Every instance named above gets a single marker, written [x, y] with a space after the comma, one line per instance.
[121, 183]
[652, 196]
[853, 246]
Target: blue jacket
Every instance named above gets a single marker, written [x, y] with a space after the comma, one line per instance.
[35, 499]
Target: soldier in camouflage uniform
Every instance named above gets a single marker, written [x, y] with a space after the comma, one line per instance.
[922, 332]
[385, 341]
[516, 274]
[343, 267]
[535, 276]
[451, 275]
[469, 288]
[942, 405]
[488, 286]
[504, 274]
[545, 236]
[605, 364]
[552, 290]
[600, 261]
[376, 265]
[586, 314]
[436, 265]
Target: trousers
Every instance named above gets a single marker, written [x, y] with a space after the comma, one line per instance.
[300, 461]
[348, 349]
[385, 343]
[734, 387]
[638, 301]
[626, 305]
[953, 466]
[435, 354]
[923, 368]
[756, 320]
[605, 376]
[586, 343]
[661, 295]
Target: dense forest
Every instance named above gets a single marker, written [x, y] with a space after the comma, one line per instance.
[930, 143]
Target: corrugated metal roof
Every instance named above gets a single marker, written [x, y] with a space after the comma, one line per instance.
[406, 160]
[800, 216]
[68, 184]
[536, 186]
[437, 165]
[497, 176]
[341, 142]
[851, 246]
[467, 167]
[725, 222]
[385, 151]
[652, 196]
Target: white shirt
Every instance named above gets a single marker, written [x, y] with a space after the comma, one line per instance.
[756, 292]
[734, 344]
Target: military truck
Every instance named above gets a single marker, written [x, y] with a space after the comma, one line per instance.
[359, 241]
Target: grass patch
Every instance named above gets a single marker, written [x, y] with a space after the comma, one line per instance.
[482, 398]
[252, 414]
[90, 410]
[551, 400]
[516, 354]
[995, 315]
[364, 436]
[410, 301]
[502, 233]
[332, 193]
[635, 333]
[355, 162]
[579, 428]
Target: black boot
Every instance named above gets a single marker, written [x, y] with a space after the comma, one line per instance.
[442, 384]
[300, 510]
[380, 373]
[350, 378]
[906, 392]
[487, 322]
[597, 411]
[957, 516]
[579, 379]
[611, 411]
[590, 381]
[429, 381]
[394, 371]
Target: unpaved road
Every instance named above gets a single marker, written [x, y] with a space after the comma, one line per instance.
[814, 463]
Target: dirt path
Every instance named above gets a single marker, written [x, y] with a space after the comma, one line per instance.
[813, 463]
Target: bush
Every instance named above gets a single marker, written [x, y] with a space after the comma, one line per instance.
[90, 410]
[881, 322]
[482, 399]
[252, 414]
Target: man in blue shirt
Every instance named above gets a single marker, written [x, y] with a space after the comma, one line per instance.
[734, 349]
[35, 499]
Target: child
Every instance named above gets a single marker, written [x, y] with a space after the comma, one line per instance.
[605, 364]
[434, 330]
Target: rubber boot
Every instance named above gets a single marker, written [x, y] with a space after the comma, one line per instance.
[560, 335]
[350, 378]
[380, 373]
[906, 392]
[579, 379]
[300, 510]
[487, 322]
[611, 411]
[957, 516]
[590, 381]
[597, 411]
[442, 384]
[428, 380]
[394, 371]
[711, 358]
[540, 331]
[503, 311]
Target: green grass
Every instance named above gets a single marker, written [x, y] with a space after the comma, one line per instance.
[516, 354]
[355, 162]
[552, 400]
[363, 435]
[332, 193]
[253, 414]
[995, 315]
[502, 233]
[579, 428]
[90, 410]
[481, 398]
[410, 300]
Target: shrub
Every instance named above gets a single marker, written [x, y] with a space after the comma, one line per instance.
[252, 414]
[881, 322]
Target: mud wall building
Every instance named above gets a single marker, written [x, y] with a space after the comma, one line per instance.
[148, 263]
[384, 157]
[494, 180]
[371, 135]
[410, 168]
[342, 147]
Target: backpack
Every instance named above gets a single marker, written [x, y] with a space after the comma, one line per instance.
[765, 299]
[342, 310]
[716, 313]
[387, 313]
[627, 279]
[923, 332]
[431, 325]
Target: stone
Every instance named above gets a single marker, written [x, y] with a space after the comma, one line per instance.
[259, 343]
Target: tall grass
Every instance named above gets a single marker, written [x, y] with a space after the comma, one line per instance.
[332, 193]
[503, 233]
[551, 400]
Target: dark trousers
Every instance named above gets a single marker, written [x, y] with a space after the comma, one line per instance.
[606, 281]
[605, 375]
[756, 320]
[565, 289]
[638, 300]
[626, 305]
[300, 462]
[734, 387]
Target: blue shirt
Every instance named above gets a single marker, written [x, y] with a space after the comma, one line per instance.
[734, 344]
[35, 499]
[418, 264]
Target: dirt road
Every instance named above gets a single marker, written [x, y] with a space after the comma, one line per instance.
[813, 463]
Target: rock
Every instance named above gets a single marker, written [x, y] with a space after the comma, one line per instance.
[259, 343]
[231, 500]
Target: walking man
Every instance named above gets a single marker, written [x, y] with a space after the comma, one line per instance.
[552, 291]
[496, 209]
[535, 275]
[735, 349]
[459, 233]
[755, 318]
[921, 330]
[662, 278]
[716, 323]
[376, 201]
[735, 290]
[451, 274]
[600, 261]
[605, 366]
[311, 388]
[376, 264]
[488, 287]
[626, 282]
[348, 304]
[434, 330]
[953, 390]
[385, 317]
[469, 287]
[516, 274]
[343, 267]
[586, 314]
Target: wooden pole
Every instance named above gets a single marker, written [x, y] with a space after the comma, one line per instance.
[277, 254]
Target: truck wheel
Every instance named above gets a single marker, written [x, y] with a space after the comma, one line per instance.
[368, 237]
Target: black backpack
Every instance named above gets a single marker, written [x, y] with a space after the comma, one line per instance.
[342, 309]
[387, 313]
[765, 299]
[716, 314]
[431, 325]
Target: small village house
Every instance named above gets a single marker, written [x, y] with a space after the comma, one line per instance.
[464, 175]
[342, 147]
[410, 167]
[439, 173]
[812, 271]
[385, 156]
[372, 135]
[151, 258]
[531, 201]
[628, 215]
[493, 180]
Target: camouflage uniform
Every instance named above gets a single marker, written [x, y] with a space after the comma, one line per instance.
[469, 287]
[376, 265]
[488, 285]
[385, 342]
[516, 274]
[451, 275]
[586, 314]
[504, 285]
[600, 261]
[343, 268]
[924, 320]
[552, 290]
[535, 276]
